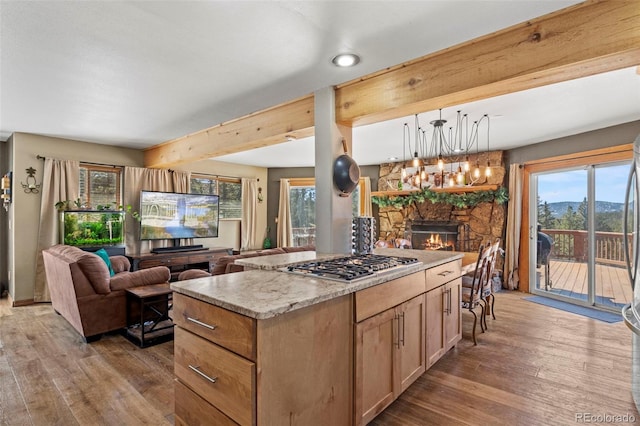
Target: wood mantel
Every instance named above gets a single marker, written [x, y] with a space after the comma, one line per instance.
[455, 189]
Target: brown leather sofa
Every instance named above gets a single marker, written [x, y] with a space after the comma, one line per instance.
[85, 294]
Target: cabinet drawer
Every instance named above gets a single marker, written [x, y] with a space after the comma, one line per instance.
[441, 274]
[144, 264]
[228, 329]
[194, 411]
[220, 377]
[201, 258]
[376, 299]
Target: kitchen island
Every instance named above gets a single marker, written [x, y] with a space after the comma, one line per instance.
[268, 347]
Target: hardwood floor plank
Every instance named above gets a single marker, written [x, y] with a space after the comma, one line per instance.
[534, 366]
[149, 370]
[45, 404]
[13, 410]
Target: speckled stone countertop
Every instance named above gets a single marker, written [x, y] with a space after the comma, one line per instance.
[276, 261]
[262, 294]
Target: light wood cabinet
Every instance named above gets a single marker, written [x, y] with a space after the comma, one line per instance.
[411, 316]
[295, 368]
[375, 359]
[443, 321]
[338, 362]
[389, 347]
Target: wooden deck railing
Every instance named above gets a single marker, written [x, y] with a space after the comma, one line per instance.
[572, 245]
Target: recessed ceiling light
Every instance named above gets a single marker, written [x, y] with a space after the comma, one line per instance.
[393, 158]
[346, 60]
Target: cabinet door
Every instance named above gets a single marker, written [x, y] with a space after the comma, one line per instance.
[375, 353]
[411, 323]
[435, 327]
[452, 320]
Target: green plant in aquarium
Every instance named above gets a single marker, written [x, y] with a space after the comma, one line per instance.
[93, 228]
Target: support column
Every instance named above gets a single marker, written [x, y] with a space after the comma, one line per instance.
[333, 212]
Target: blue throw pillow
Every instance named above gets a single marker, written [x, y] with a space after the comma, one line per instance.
[105, 256]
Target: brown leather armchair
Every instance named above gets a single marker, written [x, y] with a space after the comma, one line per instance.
[85, 294]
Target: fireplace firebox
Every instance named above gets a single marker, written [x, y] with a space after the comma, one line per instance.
[435, 235]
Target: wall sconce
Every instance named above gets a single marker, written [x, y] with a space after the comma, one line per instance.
[260, 196]
[31, 186]
[6, 191]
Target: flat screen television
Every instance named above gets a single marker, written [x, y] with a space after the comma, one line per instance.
[169, 215]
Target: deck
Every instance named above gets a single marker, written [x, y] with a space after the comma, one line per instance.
[569, 278]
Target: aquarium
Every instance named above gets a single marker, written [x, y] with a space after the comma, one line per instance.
[92, 228]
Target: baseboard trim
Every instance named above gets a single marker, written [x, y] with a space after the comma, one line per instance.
[18, 303]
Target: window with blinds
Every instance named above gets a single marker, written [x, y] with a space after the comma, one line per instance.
[229, 190]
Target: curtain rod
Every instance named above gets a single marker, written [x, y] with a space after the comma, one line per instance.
[40, 157]
[219, 176]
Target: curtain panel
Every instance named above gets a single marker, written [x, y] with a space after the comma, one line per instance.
[60, 182]
[514, 222]
[367, 209]
[284, 231]
[248, 226]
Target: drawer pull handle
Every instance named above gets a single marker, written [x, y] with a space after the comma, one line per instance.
[445, 273]
[210, 327]
[197, 370]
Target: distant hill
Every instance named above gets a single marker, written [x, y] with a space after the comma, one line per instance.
[560, 208]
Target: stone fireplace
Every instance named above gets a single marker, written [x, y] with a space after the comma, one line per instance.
[474, 225]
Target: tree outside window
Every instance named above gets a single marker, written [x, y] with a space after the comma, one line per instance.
[302, 196]
[229, 190]
[100, 186]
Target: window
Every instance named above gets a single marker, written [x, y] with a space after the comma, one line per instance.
[100, 186]
[302, 197]
[229, 190]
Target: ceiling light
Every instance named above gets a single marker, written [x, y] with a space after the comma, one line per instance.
[346, 60]
[447, 150]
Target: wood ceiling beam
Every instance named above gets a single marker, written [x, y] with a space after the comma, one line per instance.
[582, 40]
[579, 41]
[267, 127]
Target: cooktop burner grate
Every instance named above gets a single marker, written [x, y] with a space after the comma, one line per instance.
[349, 268]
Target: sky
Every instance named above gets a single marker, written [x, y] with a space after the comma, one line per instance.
[611, 183]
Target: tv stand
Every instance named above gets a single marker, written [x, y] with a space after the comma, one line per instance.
[178, 249]
[180, 261]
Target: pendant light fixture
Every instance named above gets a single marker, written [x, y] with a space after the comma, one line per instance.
[454, 149]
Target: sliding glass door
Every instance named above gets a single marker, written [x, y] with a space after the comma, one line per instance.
[576, 242]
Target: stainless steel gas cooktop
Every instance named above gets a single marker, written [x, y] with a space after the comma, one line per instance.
[350, 268]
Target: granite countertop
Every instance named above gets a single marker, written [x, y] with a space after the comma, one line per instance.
[277, 261]
[262, 294]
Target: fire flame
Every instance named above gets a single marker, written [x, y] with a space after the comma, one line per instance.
[434, 242]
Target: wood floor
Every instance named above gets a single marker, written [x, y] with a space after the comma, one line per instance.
[570, 279]
[535, 365]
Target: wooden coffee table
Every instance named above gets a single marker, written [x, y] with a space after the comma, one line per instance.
[150, 306]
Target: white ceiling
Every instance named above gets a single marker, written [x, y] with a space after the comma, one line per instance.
[138, 73]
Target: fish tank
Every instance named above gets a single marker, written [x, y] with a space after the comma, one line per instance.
[92, 228]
